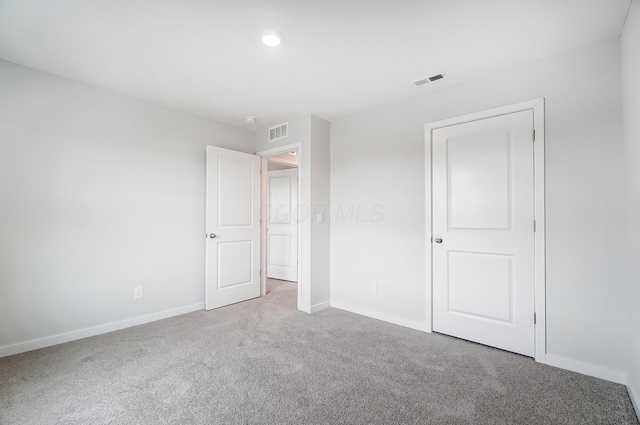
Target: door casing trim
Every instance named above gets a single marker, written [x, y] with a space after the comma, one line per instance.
[537, 106]
[303, 283]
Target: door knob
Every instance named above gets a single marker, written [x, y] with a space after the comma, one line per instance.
[212, 235]
[438, 240]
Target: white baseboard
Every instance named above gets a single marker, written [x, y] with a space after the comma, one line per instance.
[48, 341]
[320, 306]
[596, 371]
[305, 308]
[385, 317]
[634, 395]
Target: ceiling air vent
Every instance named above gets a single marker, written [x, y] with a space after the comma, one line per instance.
[426, 80]
[279, 132]
[421, 82]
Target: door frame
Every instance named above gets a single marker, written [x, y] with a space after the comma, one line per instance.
[303, 284]
[537, 105]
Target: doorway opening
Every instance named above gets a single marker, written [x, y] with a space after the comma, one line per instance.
[281, 231]
[281, 222]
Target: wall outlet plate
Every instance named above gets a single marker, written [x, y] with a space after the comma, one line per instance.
[373, 288]
[138, 292]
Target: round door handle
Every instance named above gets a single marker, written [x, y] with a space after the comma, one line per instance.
[213, 235]
[438, 240]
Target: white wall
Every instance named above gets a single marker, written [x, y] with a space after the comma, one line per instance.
[377, 159]
[630, 46]
[320, 131]
[98, 193]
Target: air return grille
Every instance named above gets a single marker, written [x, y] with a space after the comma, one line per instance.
[426, 80]
[278, 132]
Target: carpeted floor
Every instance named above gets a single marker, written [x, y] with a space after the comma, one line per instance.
[263, 362]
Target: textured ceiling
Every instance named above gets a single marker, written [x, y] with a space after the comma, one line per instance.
[339, 57]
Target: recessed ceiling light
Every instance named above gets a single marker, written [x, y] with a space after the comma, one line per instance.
[250, 120]
[272, 38]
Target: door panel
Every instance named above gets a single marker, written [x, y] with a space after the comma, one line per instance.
[280, 188]
[465, 270]
[483, 211]
[280, 255]
[235, 192]
[282, 232]
[479, 162]
[237, 260]
[233, 199]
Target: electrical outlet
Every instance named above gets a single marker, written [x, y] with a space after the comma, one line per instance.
[373, 288]
[138, 292]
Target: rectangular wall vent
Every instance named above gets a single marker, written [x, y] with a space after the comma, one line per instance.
[279, 132]
[426, 80]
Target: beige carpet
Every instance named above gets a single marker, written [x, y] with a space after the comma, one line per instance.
[263, 362]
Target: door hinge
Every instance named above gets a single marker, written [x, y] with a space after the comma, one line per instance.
[535, 226]
[534, 134]
[534, 318]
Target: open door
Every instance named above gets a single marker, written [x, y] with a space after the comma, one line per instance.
[282, 230]
[233, 227]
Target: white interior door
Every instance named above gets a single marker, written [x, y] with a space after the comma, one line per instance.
[282, 231]
[483, 231]
[233, 227]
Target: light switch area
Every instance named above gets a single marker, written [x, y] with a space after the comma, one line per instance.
[138, 292]
[373, 288]
[320, 218]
